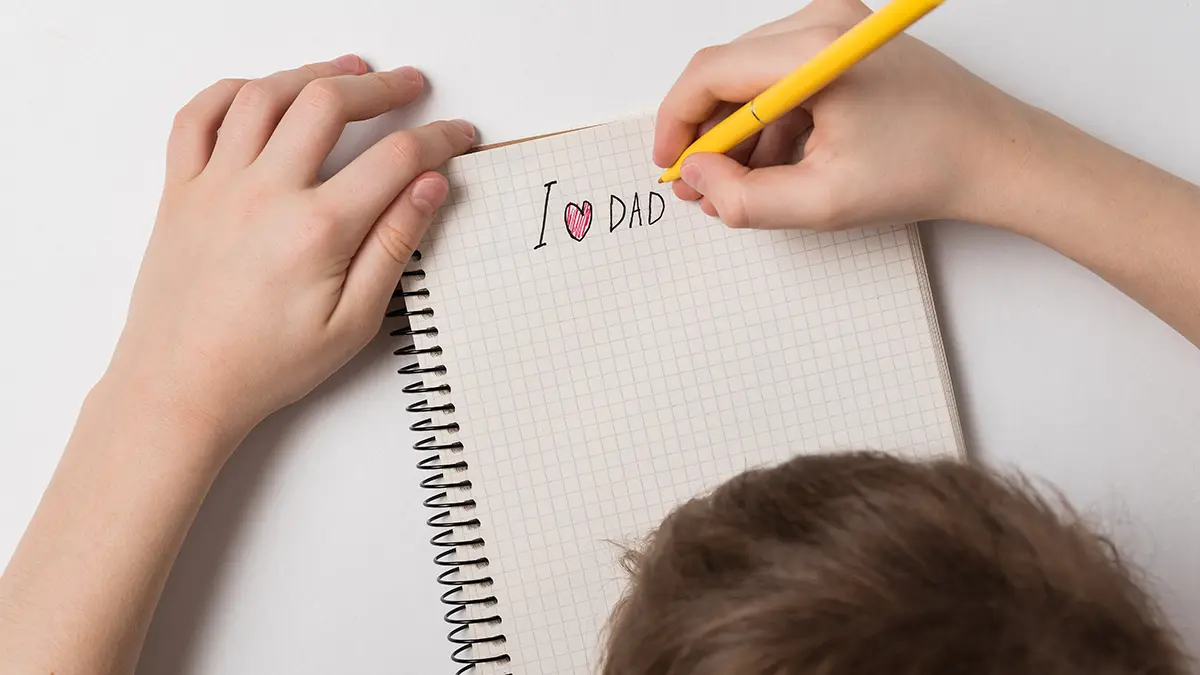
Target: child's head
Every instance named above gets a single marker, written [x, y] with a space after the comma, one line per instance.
[865, 564]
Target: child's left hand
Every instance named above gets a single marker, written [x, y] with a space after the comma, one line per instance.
[260, 280]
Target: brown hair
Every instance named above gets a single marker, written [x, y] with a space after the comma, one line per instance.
[864, 564]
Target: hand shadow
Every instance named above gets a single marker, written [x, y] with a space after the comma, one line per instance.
[186, 603]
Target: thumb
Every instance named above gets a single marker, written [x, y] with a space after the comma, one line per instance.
[376, 268]
[775, 197]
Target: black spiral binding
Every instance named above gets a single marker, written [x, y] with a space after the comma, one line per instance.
[437, 460]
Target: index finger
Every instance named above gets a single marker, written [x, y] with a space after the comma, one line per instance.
[735, 72]
[359, 193]
[312, 126]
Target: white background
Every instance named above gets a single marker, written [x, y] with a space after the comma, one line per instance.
[310, 555]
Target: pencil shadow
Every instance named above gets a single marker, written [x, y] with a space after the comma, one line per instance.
[185, 609]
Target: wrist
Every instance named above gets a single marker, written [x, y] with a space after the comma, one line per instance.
[1000, 155]
[1056, 184]
[151, 406]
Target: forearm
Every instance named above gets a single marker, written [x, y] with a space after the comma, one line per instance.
[79, 593]
[1136, 226]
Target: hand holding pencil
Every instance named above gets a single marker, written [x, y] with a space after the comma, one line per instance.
[785, 95]
[905, 135]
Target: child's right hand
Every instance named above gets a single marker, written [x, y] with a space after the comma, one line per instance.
[908, 135]
[905, 135]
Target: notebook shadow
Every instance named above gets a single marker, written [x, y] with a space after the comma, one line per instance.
[185, 609]
[933, 245]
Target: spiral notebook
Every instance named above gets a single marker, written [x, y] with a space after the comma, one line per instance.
[588, 352]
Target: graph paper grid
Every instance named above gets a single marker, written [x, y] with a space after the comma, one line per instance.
[599, 381]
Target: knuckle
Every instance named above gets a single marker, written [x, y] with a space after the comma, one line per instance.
[704, 56]
[734, 212]
[188, 117]
[397, 240]
[449, 135]
[840, 7]
[665, 110]
[311, 70]
[324, 95]
[316, 236]
[324, 223]
[255, 94]
[818, 37]
[252, 200]
[231, 84]
[403, 149]
[313, 224]
[196, 113]
[826, 34]
[389, 83]
[856, 8]
[734, 207]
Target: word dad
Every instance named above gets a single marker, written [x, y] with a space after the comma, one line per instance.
[578, 217]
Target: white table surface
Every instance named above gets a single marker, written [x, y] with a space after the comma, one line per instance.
[310, 556]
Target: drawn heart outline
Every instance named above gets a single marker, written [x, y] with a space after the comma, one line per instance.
[578, 219]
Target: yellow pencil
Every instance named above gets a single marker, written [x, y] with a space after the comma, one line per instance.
[785, 95]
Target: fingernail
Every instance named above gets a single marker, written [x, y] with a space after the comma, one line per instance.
[349, 63]
[429, 193]
[466, 127]
[692, 175]
[409, 73]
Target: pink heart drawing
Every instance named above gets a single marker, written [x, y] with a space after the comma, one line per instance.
[579, 220]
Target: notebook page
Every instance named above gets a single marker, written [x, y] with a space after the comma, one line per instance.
[612, 351]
